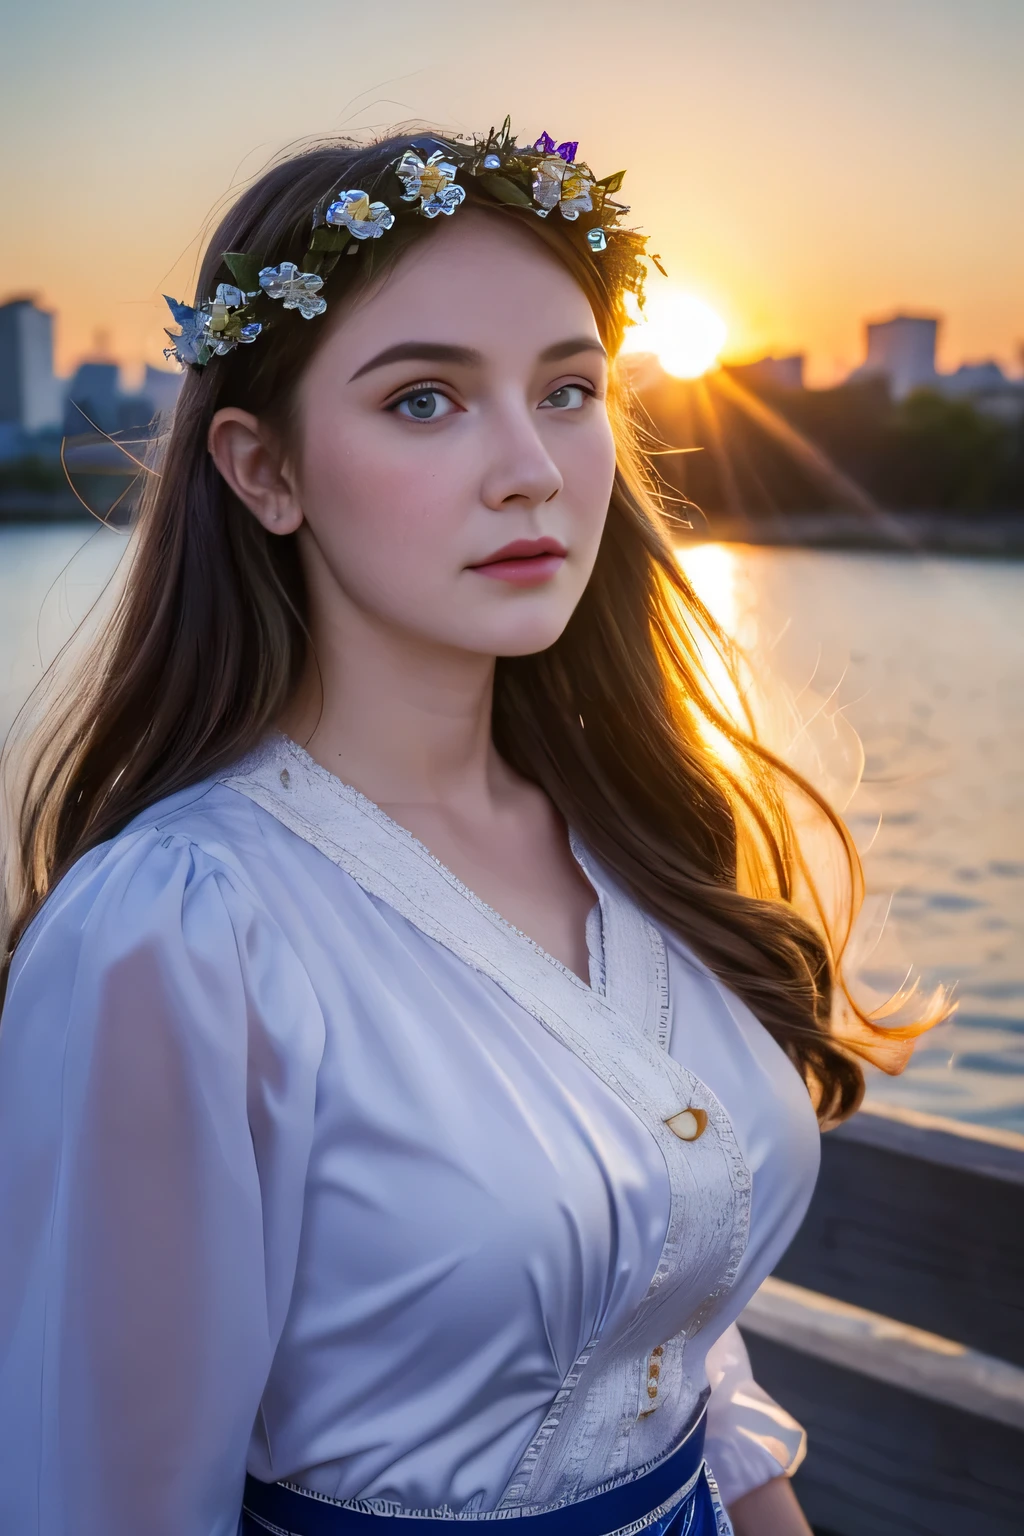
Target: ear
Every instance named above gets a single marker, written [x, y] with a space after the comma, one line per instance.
[249, 458]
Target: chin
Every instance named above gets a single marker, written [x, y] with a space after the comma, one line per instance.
[529, 639]
[505, 634]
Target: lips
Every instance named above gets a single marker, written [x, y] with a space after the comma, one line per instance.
[524, 549]
[524, 562]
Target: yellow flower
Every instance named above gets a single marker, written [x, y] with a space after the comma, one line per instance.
[432, 181]
[557, 184]
[353, 211]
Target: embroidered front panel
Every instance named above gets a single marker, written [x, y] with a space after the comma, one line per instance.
[634, 954]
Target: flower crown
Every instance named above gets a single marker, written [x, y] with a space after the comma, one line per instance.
[546, 177]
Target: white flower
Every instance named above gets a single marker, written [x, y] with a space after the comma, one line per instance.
[299, 290]
[559, 184]
[353, 211]
[233, 297]
[432, 181]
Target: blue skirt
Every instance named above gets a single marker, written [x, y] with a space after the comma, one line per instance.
[675, 1498]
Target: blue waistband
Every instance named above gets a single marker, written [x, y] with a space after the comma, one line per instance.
[288, 1508]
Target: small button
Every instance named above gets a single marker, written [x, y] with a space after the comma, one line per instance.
[688, 1124]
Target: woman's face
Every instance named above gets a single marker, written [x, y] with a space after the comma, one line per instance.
[458, 409]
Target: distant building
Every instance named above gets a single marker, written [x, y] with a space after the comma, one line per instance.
[93, 400]
[782, 372]
[974, 379]
[153, 404]
[903, 350]
[134, 413]
[988, 389]
[29, 392]
[12, 441]
[161, 386]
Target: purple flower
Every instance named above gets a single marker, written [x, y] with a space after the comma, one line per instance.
[546, 145]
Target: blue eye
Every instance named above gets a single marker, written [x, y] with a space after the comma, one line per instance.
[423, 405]
[568, 397]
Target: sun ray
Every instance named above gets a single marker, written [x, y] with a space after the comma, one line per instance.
[818, 465]
[681, 330]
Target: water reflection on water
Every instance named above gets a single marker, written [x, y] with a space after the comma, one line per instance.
[924, 656]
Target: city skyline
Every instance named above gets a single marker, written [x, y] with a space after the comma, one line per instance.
[800, 167]
[916, 335]
[39, 409]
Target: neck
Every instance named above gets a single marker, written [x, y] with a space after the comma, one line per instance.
[405, 722]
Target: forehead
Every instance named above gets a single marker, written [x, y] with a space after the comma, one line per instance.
[480, 280]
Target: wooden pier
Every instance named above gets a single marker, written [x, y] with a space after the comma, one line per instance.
[893, 1329]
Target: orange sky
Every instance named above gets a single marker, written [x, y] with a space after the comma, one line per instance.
[801, 164]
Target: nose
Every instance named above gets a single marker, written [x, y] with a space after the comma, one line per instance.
[520, 471]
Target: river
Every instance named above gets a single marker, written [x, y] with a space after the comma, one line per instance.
[922, 656]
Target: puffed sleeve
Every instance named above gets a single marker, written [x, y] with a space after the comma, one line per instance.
[750, 1439]
[158, 1057]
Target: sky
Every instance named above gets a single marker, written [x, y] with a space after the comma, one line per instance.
[802, 165]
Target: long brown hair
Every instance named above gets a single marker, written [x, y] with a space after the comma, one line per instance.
[617, 721]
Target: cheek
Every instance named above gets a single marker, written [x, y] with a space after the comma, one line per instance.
[380, 506]
[587, 465]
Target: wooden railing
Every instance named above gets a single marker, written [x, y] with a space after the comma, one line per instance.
[893, 1329]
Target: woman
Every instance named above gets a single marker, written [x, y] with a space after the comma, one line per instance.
[408, 1052]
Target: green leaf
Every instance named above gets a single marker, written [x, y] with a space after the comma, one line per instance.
[505, 191]
[244, 268]
[612, 183]
[325, 239]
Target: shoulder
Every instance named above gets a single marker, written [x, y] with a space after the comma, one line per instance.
[180, 872]
[157, 941]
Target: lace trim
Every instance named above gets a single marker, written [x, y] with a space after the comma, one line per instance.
[723, 1525]
[393, 1509]
[406, 840]
[388, 862]
[275, 1530]
[515, 1490]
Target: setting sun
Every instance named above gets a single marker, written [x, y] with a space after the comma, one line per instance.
[682, 330]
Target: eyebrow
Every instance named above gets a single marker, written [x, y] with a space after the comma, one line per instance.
[467, 357]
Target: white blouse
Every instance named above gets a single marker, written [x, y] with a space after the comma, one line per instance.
[312, 1164]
